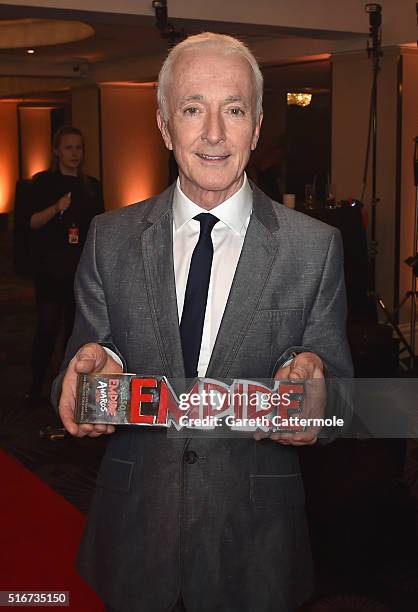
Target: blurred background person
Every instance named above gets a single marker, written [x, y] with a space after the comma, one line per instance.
[63, 203]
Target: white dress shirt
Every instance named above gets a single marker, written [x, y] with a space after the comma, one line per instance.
[227, 237]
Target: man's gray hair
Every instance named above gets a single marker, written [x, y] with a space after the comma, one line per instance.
[225, 43]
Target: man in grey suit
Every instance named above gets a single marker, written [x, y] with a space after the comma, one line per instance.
[205, 524]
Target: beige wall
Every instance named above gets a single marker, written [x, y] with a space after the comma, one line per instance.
[408, 192]
[135, 161]
[351, 88]
[85, 116]
[35, 140]
[9, 155]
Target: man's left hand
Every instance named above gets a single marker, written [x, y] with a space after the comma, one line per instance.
[305, 366]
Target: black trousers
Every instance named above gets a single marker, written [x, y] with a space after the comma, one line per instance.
[55, 309]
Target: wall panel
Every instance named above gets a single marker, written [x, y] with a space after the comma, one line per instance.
[85, 116]
[135, 161]
[352, 82]
[408, 191]
[35, 139]
[9, 155]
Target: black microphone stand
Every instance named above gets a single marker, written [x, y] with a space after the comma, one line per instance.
[413, 263]
[375, 52]
[375, 17]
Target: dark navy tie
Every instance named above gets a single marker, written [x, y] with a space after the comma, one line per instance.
[191, 326]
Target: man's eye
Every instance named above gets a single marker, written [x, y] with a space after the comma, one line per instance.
[236, 111]
[192, 110]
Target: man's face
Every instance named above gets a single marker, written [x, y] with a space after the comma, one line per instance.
[211, 125]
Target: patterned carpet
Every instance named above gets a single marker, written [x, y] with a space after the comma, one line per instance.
[362, 496]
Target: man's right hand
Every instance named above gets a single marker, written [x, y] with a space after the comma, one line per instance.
[89, 358]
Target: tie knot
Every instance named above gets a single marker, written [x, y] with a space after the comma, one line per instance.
[207, 222]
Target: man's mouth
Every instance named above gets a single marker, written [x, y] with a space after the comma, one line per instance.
[212, 157]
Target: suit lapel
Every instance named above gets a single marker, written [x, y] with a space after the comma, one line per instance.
[157, 254]
[253, 270]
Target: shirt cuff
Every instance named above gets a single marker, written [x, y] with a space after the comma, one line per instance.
[287, 362]
[114, 356]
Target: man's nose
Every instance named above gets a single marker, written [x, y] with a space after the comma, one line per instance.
[214, 128]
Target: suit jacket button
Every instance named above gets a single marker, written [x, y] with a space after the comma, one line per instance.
[190, 457]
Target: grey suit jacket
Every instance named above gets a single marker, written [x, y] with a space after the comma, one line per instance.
[225, 525]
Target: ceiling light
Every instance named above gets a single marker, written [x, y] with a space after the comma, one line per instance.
[298, 98]
[30, 51]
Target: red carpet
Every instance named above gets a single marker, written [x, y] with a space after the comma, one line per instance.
[39, 537]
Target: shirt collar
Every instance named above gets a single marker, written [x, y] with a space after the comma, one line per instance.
[234, 211]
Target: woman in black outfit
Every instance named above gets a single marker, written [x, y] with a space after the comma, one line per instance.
[63, 202]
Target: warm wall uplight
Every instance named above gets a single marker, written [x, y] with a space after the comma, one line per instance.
[35, 133]
[135, 161]
[6, 193]
[9, 165]
[298, 99]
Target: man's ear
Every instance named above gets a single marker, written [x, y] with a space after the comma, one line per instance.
[162, 126]
[256, 133]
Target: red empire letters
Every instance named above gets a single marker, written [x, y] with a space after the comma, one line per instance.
[153, 401]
